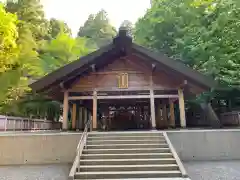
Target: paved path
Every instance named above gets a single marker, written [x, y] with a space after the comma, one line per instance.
[44, 172]
[218, 170]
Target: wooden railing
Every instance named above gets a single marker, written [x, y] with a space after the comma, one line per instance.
[230, 118]
[79, 150]
[11, 123]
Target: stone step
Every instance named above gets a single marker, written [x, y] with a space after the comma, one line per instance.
[125, 133]
[142, 137]
[167, 178]
[138, 141]
[125, 156]
[127, 151]
[127, 161]
[126, 146]
[127, 174]
[148, 167]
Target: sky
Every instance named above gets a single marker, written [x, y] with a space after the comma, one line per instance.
[75, 12]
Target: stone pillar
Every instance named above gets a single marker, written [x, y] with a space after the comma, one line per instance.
[65, 111]
[182, 108]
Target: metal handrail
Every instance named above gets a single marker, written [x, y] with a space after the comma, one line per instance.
[80, 147]
[176, 157]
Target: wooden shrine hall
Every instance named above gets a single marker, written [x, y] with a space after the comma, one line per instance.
[123, 86]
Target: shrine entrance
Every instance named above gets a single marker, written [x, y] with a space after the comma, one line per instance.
[130, 114]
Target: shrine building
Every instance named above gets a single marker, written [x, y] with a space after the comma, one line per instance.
[123, 86]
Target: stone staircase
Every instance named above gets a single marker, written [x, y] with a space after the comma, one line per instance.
[129, 155]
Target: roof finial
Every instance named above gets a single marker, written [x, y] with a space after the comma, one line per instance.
[123, 31]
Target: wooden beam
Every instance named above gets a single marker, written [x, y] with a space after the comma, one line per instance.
[65, 111]
[74, 115]
[80, 97]
[182, 108]
[116, 72]
[110, 89]
[172, 115]
[164, 96]
[94, 113]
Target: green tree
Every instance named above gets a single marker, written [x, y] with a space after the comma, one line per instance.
[201, 33]
[30, 12]
[8, 38]
[19, 62]
[61, 51]
[57, 26]
[204, 34]
[9, 64]
[97, 29]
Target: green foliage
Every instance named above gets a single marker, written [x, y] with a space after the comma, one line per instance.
[19, 60]
[31, 47]
[9, 52]
[8, 38]
[61, 51]
[204, 34]
[97, 29]
[32, 13]
[57, 26]
[38, 107]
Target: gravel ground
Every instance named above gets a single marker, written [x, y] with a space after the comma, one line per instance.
[43, 172]
[217, 170]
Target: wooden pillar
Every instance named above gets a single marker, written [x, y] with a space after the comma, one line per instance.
[65, 111]
[172, 115]
[74, 116]
[158, 117]
[81, 124]
[152, 106]
[90, 118]
[165, 116]
[85, 116]
[182, 108]
[94, 113]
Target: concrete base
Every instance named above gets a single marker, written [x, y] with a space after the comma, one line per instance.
[38, 148]
[206, 145]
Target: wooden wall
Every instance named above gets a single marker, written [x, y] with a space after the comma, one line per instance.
[139, 76]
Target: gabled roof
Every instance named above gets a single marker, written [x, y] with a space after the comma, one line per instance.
[121, 46]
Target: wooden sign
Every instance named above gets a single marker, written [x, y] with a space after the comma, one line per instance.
[123, 80]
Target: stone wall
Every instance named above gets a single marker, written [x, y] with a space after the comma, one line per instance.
[48, 148]
[206, 145]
